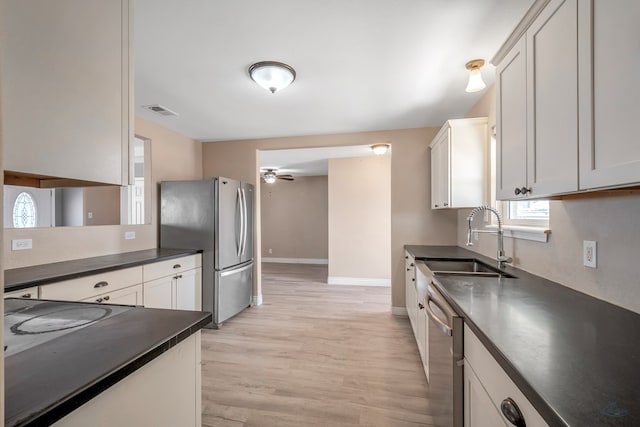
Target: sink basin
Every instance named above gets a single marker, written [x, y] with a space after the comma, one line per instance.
[465, 267]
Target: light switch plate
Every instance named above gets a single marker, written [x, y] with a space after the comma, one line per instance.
[21, 244]
[129, 235]
[589, 253]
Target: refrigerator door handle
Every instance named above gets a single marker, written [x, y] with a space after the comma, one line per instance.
[244, 237]
[241, 212]
[233, 271]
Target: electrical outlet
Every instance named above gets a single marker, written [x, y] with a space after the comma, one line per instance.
[589, 253]
[90, 215]
[270, 251]
[129, 235]
[21, 244]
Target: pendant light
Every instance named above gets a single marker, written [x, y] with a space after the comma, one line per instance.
[475, 77]
[272, 75]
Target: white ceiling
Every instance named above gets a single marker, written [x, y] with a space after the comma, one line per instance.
[309, 161]
[362, 65]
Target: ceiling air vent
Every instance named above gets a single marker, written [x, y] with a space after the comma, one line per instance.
[160, 109]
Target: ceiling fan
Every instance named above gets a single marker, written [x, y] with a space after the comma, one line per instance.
[271, 175]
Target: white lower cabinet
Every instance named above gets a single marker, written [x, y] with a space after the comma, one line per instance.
[166, 392]
[174, 284]
[487, 386]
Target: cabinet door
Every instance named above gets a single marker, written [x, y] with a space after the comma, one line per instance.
[552, 97]
[189, 290]
[440, 172]
[478, 407]
[609, 107]
[127, 296]
[410, 290]
[159, 293]
[511, 122]
[65, 81]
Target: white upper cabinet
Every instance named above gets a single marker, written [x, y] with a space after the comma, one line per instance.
[609, 108]
[458, 164]
[67, 88]
[578, 64]
[537, 107]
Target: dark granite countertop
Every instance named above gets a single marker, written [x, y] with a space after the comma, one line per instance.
[575, 357]
[45, 382]
[20, 278]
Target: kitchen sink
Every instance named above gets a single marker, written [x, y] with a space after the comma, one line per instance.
[465, 267]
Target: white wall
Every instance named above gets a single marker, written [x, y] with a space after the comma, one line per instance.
[360, 220]
[614, 222]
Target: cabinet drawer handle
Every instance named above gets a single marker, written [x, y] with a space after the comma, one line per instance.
[101, 284]
[512, 413]
[28, 295]
[177, 266]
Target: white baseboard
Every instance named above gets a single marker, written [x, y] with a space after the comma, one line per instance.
[297, 260]
[399, 311]
[256, 300]
[358, 281]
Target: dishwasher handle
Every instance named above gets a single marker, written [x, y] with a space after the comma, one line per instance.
[446, 329]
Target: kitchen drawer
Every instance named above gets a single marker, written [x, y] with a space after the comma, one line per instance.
[495, 380]
[170, 267]
[89, 286]
[131, 295]
[23, 293]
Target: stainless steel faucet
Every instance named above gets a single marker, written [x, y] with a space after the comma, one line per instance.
[501, 258]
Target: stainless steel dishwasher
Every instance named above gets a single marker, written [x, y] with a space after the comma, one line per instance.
[446, 356]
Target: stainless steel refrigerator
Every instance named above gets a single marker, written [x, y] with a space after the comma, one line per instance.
[215, 215]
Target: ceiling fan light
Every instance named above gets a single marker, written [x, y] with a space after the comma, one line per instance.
[270, 177]
[380, 149]
[475, 83]
[272, 75]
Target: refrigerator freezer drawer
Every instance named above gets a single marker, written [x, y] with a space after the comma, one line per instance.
[234, 288]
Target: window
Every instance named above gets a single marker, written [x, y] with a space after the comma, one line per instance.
[525, 213]
[24, 211]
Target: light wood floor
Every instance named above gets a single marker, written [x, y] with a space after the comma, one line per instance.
[313, 355]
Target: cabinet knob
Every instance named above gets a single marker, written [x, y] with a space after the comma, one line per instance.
[420, 305]
[406, 257]
[512, 413]
[413, 279]
[99, 300]
[523, 191]
[107, 297]
[179, 276]
[437, 206]
[408, 269]
[446, 204]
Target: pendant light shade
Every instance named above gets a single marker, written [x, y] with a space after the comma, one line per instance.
[475, 76]
[272, 75]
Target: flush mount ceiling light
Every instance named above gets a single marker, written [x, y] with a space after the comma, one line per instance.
[272, 75]
[380, 149]
[475, 77]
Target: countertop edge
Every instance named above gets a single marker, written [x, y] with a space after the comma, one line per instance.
[88, 272]
[540, 404]
[53, 414]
